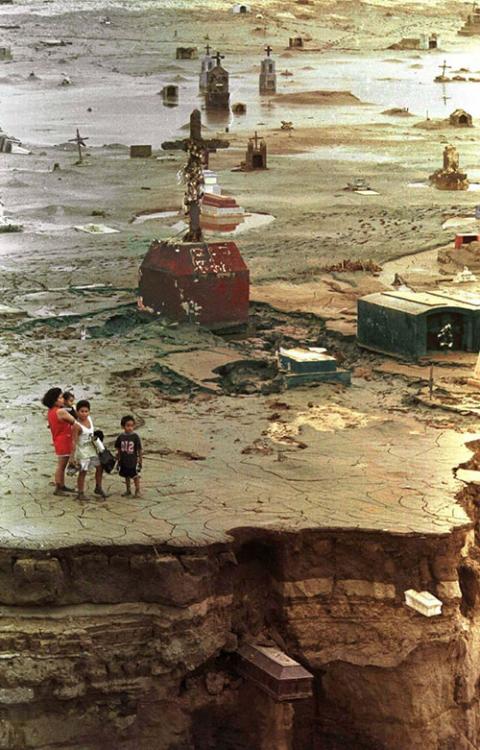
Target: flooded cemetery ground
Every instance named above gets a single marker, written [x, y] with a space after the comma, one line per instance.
[292, 518]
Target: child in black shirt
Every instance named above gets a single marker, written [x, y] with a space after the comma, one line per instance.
[129, 455]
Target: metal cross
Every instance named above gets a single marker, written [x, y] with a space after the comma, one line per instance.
[207, 49]
[256, 140]
[219, 57]
[444, 67]
[268, 49]
[80, 141]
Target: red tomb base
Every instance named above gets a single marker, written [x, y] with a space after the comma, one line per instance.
[205, 283]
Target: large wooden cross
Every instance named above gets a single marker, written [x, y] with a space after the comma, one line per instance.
[197, 149]
[268, 49]
[80, 141]
[218, 57]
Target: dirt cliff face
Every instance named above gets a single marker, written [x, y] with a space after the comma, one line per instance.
[134, 648]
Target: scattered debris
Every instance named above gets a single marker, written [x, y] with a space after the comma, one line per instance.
[287, 125]
[359, 185]
[5, 54]
[96, 229]
[54, 43]
[464, 276]
[347, 265]
[250, 376]
[260, 446]
[453, 259]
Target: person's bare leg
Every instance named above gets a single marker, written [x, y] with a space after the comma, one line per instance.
[128, 490]
[136, 482]
[98, 481]
[81, 484]
[60, 474]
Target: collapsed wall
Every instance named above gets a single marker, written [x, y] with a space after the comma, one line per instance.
[134, 648]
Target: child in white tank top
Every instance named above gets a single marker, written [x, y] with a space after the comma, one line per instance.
[84, 454]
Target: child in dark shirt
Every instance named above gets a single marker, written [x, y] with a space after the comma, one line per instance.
[129, 455]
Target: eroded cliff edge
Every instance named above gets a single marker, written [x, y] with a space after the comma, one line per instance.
[134, 648]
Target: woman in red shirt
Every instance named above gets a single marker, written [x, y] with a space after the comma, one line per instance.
[60, 422]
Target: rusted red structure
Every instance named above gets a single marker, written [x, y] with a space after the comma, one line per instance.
[205, 283]
[465, 239]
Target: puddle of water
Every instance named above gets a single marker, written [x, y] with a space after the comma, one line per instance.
[55, 7]
[344, 153]
[253, 221]
[474, 187]
[250, 221]
[157, 215]
[28, 114]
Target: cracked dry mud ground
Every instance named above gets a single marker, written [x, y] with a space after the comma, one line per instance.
[353, 473]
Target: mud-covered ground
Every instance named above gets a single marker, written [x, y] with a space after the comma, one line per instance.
[48, 269]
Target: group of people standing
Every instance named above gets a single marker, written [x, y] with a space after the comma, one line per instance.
[76, 445]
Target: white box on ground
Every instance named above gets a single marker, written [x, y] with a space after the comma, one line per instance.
[424, 602]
